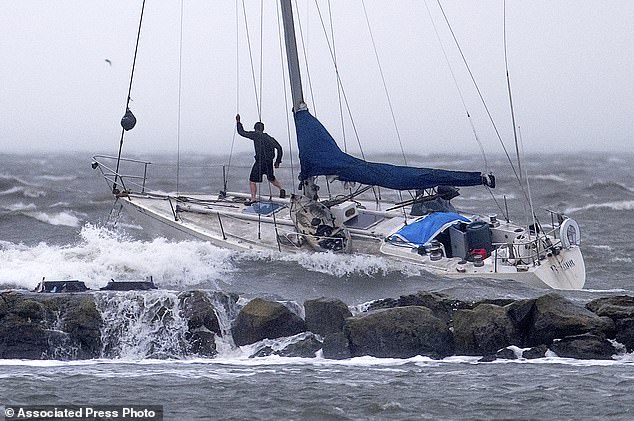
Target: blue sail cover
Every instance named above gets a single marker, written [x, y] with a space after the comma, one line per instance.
[426, 228]
[320, 155]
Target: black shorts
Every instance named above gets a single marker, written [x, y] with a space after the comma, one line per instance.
[260, 168]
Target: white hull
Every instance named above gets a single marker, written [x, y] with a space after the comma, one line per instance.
[228, 223]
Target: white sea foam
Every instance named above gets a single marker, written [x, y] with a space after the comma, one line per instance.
[624, 205]
[549, 177]
[61, 218]
[18, 207]
[103, 254]
[341, 265]
[56, 177]
[12, 190]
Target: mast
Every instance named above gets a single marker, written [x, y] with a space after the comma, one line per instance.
[308, 186]
[292, 57]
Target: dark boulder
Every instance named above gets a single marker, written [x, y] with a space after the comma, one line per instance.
[305, 348]
[400, 332]
[617, 307]
[502, 354]
[20, 338]
[521, 312]
[440, 304]
[261, 319]
[484, 330]
[199, 311]
[535, 352]
[82, 321]
[4, 307]
[325, 315]
[625, 333]
[584, 347]
[29, 310]
[336, 346]
[38, 326]
[555, 317]
[202, 343]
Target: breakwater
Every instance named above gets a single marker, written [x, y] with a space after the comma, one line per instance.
[170, 324]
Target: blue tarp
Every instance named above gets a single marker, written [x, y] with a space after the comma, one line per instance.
[426, 228]
[320, 155]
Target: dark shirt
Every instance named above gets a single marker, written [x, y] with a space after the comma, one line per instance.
[264, 145]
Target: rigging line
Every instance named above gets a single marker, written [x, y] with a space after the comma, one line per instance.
[180, 85]
[528, 188]
[497, 132]
[284, 88]
[334, 56]
[305, 53]
[127, 103]
[235, 131]
[343, 91]
[261, 54]
[255, 86]
[508, 85]
[457, 85]
[387, 94]
[275, 227]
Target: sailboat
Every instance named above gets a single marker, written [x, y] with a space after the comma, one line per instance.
[425, 230]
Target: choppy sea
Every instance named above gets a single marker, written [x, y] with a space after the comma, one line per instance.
[54, 214]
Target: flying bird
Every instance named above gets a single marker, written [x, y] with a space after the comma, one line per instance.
[107, 60]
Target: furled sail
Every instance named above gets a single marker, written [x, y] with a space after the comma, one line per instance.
[320, 155]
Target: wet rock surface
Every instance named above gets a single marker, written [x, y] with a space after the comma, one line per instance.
[262, 319]
[177, 325]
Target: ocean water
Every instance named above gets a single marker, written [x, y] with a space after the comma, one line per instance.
[54, 214]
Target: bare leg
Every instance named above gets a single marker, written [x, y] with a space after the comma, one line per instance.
[254, 189]
[277, 184]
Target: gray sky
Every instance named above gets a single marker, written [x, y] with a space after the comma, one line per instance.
[571, 64]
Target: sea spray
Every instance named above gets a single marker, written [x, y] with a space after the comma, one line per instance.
[142, 325]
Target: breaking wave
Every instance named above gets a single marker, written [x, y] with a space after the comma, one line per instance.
[625, 205]
[102, 254]
[60, 218]
[549, 177]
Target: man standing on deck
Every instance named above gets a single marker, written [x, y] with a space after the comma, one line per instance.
[265, 147]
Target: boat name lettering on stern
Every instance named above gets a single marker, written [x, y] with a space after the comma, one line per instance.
[568, 264]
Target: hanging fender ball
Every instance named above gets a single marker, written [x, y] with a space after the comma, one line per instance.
[128, 121]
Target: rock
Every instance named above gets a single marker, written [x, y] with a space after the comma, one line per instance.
[520, 312]
[535, 352]
[29, 310]
[325, 315]
[554, 316]
[400, 332]
[64, 326]
[20, 338]
[202, 343]
[261, 319]
[484, 330]
[584, 347]
[199, 311]
[617, 307]
[502, 354]
[506, 354]
[263, 352]
[82, 322]
[306, 348]
[441, 305]
[625, 333]
[336, 346]
[4, 307]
